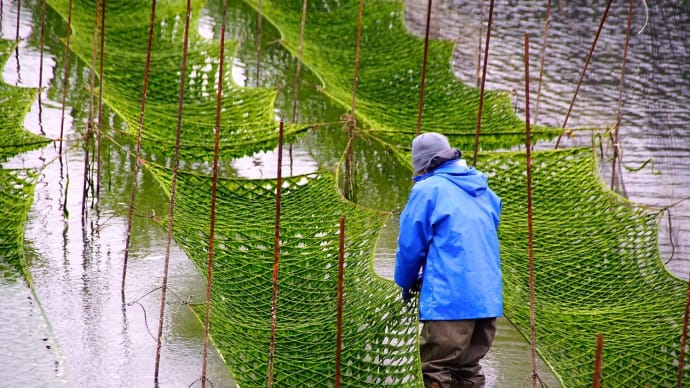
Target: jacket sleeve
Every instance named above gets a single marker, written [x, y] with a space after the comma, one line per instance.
[413, 238]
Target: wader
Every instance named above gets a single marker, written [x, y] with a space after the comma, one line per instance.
[451, 350]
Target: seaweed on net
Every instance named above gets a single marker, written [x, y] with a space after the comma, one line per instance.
[597, 264]
[16, 187]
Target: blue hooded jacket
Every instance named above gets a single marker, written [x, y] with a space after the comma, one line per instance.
[448, 229]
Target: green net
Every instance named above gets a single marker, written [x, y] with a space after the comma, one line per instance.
[16, 197]
[596, 260]
[248, 124]
[379, 334]
[390, 73]
[16, 187]
[597, 271]
[14, 105]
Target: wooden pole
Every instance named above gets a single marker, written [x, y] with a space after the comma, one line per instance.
[584, 70]
[173, 187]
[530, 231]
[212, 227]
[483, 84]
[276, 259]
[339, 312]
[135, 172]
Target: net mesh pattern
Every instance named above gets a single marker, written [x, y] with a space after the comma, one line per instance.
[597, 271]
[15, 102]
[16, 197]
[379, 331]
[248, 122]
[596, 259]
[16, 186]
[390, 73]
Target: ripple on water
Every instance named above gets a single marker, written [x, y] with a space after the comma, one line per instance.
[29, 355]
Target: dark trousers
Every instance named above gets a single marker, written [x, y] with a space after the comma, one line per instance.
[451, 350]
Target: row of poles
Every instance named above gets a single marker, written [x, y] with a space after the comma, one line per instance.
[616, 165]
[348, 184]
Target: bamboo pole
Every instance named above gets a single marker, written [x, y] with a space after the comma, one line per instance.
[89, 121]
[615, 163]
[483, 84]
[530, 230]
[135, 172]
[259, 21]
[40, 66]
[65, 76]
[422, 82]
[173, 188]
[276, 259]
[212, 228]
[584, 70]
[100, 101]
[348, 186]
[339, 312]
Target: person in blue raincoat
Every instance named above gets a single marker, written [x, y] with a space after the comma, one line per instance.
[448, 251]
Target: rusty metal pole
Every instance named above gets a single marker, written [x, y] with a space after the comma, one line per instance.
[276, 259]
[422, 82]
[584, 70]
[135, 173]
[483, 84]
[530, 230]
[173, 187]
[212, 227]
[596, 383]
[543, 57]
[339, 312]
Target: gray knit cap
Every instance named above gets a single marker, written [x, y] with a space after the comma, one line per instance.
[425, 147]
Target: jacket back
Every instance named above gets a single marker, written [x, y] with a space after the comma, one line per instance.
[448, 230]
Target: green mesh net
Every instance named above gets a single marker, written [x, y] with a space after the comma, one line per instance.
[16, 187]
[597, 265]
[16, 197]
[390, 74]
[248, 124]
[14, 105]
[597, 271]
[379, 335]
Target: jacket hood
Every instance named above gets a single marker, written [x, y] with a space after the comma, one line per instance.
[467, 178]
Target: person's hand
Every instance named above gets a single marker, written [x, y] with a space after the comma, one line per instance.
[413, 290]
[406, 295]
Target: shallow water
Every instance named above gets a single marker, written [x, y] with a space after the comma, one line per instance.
[71, 329]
